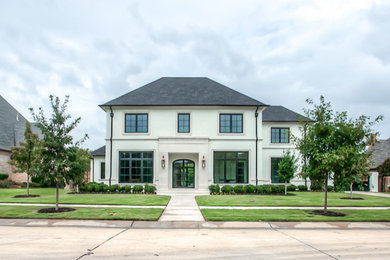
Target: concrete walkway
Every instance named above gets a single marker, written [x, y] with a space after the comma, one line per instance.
[370, 193]
[79, 205]
[182, 208]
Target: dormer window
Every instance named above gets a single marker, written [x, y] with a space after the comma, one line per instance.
[136, 123]
[230, 123]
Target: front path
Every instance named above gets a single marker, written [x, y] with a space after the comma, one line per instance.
[182, 208]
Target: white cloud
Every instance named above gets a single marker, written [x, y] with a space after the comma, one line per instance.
[97, 50]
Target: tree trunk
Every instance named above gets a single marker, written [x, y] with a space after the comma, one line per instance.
[326, 194]
[56, 195]
[306, 182]
[28, 186]
[351, 190]
[285, 188]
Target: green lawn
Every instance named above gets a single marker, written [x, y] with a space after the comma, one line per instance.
[47, 195]
[291, 215]
[82, 213]
[301, 199]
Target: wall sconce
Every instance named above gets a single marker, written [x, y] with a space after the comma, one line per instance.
[163, 162]
[203, 162]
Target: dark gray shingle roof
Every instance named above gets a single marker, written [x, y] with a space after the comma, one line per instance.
[380, 152]
[99, 152]
[175, 91]
[281, 114]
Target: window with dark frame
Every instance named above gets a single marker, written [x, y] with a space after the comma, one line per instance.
[274, 170]
[136, 123]
[280, 135]
[102, 170]
[230, 123]
[230, 167]
[183, 123]
[135, 167]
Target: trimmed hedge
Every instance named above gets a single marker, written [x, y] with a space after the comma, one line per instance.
[3, 176]
[227, 189]
[250, 189]
[291, 188]
[104, 188]
[302, 188]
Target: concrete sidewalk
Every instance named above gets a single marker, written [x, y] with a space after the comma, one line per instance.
[190, 224]
[370, 193]
[182, 208]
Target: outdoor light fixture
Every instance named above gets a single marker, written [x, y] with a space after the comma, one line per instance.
[203, 162]
[163, 162]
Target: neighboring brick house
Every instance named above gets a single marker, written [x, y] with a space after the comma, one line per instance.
[184, 134]
[12, 126]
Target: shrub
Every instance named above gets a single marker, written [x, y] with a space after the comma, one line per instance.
[268, 189]
[260, 189]
[90, 187]
[114, 188]
[329, 188]
[7, 183]
[138, 189]
[227, 189]
[105, 188]
[150, 189]
[127, 188]
[291, 188]
[217, 188]
[123, 188]
[212, 189]
[316, 187]
[239, 189]
[97, 188]
[275, 188]
[3, 176]
[302, 188]
[250, 188]
[82, 188]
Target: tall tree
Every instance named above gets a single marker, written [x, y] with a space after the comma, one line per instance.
[333, 145]
[56, 154]
[287, 168]
[24, 157]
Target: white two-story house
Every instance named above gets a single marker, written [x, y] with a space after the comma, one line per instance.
[188, 133]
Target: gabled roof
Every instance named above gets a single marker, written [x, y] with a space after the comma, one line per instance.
[282, 114]
[99, 152]
[12, 125]
[380, 152]
[177, 91]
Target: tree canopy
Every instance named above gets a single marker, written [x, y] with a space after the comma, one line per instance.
[287, 168]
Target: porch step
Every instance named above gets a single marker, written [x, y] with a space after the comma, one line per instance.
[183, 192]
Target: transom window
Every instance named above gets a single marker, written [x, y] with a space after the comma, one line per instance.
[280, 135]
[135, 167]
[136, 123]
[230, 123]
[274, 170]
[230, 167]
[183, 123]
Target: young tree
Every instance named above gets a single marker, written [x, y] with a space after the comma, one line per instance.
[286, 168]
[24, 157]
[80, 160]
[332, 143]
[56, 161]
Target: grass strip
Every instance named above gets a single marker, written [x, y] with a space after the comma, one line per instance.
[82, 213]
[47, 195]
[292, 215]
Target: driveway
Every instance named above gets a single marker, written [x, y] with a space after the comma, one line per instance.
[58, 239]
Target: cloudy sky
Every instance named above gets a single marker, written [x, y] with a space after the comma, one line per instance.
[279, 53]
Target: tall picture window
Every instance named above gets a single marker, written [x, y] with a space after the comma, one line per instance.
[136, 167]
[274, 170]
[231, 167]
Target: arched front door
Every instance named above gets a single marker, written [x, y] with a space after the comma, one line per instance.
[183, 174]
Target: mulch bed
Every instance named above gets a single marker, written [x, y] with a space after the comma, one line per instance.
[348, 198]
[26, 196]
[329, 213]
[53, 210]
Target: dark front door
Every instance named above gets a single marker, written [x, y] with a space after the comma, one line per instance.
[183, 175]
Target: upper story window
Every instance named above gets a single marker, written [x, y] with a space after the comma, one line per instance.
[102, 170]
[183, 123]
[230, 123]
[280, 135]
[136, 123]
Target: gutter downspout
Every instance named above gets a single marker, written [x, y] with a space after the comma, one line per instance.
[257, 139]
[112, 118]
